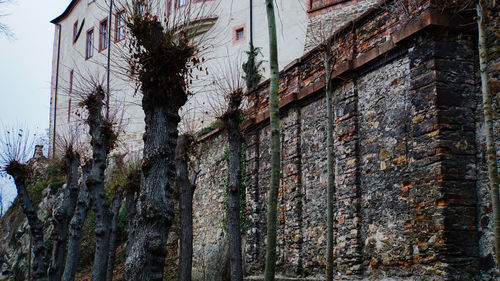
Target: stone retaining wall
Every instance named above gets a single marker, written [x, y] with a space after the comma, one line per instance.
[411, 194]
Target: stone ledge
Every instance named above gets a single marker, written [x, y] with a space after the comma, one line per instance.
[280, 278]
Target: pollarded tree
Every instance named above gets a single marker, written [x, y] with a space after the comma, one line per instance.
[16, 143]
[69, 143]
[103, 140]
[186, 188]
[64, 214]
[162, 54]
[76, 224]
[228, 85]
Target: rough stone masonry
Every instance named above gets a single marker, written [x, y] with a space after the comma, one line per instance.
[412, 201]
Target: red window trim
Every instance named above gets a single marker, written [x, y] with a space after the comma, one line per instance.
[116, 25]
[75, 31]
[71, 81]
[87, 44]
[234, 36]
[100, 34]
[69, 110]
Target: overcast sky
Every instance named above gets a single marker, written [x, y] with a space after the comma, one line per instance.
[25, 64]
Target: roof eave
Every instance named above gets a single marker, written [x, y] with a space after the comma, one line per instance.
[65, 13]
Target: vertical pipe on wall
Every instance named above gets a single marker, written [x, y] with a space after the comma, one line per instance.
[55, 91]
[251, 25]
[109, 56]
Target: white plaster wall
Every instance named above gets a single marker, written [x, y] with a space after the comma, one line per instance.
[220, 52]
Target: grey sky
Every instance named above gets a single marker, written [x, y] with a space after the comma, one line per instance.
[25, 64]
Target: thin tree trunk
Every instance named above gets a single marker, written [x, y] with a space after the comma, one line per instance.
[99, 132]
[38, 267]
[146, 258]
[272, 201]
[232, 120]
[63, 216]
[75, 227]
[130, 205]
[117, 204]
[488, 120]
[331, 165]
[186, 208]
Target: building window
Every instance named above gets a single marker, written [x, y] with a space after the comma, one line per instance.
[120, 26]
[103, 35]
[90, 43]
[239, 34]
[181, 3]
[140, 8]
[75, 31]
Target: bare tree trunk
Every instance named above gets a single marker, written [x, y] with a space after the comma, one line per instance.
[488, 120]
[130, 205]
[63, 215]
[75, 227]
[117, 204]
[232, 120]
[100, 133]
[272, 201]
[38, 267]
[146, 258]
[331, 164]
[186, 207]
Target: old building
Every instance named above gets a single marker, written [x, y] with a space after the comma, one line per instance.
[85, 34]
[412, 195]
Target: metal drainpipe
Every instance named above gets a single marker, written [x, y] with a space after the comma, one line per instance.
[251, 25]
[55, 92]
[109, 55]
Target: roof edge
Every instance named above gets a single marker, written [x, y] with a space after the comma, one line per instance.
[66, 12]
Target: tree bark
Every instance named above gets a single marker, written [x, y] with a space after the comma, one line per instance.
[38, 267]
[130, 202]
[99, 132]
[63, 215]
[186, 207]
[75, 227]
[272, 200]
[117, 204]
[146, 258]
[331, 164]
[488, 120]
[232, 120]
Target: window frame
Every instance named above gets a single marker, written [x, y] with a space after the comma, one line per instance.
[89, 49]
[178, 5]
[235, 32]
[117, 22]
[101, 33]
[75, 31]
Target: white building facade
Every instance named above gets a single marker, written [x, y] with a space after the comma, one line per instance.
[90, 47]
